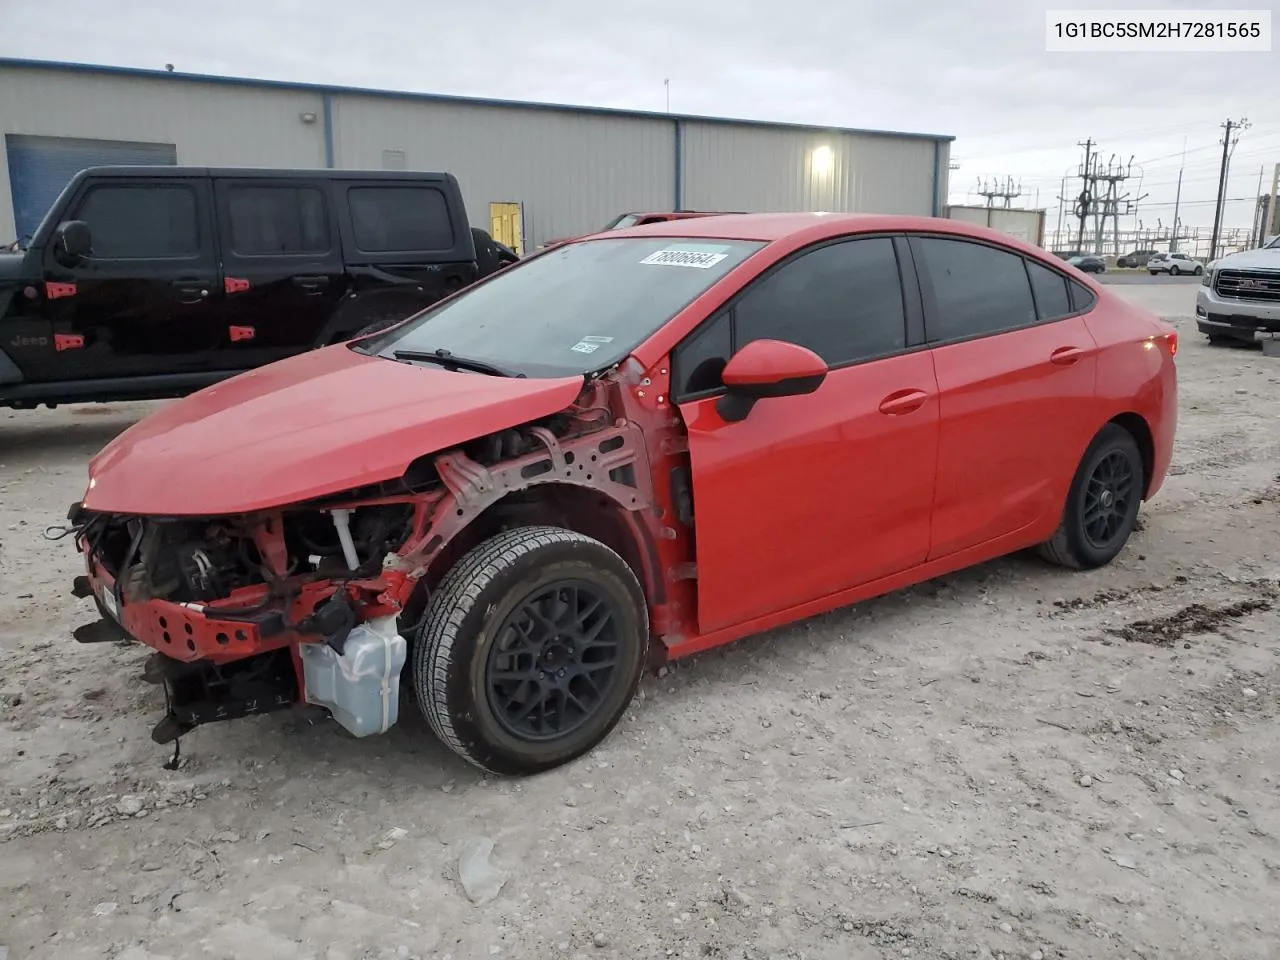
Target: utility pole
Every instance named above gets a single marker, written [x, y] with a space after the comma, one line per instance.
[1262, 169]
[1062, 195]
[1228, 142]
[1085, 200]
[667, 85]
[1271, 204]
[1177, 200]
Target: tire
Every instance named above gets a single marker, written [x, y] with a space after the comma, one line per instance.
[1153, 272]
[472, 618]
[1174, 271]
[1076, 544]
[1197, 271]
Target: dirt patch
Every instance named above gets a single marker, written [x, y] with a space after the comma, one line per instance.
[1192, 619]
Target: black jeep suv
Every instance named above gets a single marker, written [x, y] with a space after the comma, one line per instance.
[151, 282]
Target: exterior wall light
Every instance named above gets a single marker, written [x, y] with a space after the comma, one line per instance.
[822, 161]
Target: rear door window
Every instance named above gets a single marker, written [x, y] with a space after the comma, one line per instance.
[398, 218]
[277, 221]
[972, 289]
[142, 221]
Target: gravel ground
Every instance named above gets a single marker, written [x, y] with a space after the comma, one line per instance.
[1011, 762]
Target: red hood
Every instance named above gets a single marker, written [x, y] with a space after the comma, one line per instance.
[313, 425]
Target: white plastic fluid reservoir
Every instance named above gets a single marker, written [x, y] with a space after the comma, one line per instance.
[360, 686]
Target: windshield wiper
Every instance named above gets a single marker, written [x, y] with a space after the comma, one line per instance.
[446, 359]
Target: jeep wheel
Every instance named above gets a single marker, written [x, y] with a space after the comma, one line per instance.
[530, 650]
[1102, 504]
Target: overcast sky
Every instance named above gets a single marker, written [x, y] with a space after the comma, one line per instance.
[976, 69]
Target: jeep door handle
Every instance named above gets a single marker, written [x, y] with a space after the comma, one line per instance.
[903, 401]
[191, 291]
[311, 284]
[1065, 356]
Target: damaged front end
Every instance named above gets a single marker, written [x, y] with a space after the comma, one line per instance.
[248, 613]
[312, 602]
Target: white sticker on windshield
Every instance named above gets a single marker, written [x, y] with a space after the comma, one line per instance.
[702, 257]
[585, 346]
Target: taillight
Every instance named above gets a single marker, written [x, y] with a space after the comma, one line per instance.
[1171, 338]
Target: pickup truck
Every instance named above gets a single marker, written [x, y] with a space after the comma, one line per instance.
[1239, 298]
[153, 282]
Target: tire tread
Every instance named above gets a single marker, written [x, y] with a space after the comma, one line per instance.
[455, 597]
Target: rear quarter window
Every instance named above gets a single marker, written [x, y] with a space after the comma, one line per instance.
[401, 219]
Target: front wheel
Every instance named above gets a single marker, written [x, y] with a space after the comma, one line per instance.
[1174, 271]
[1102, 504]
[530, 650]
[1198, 271]
[1153, 272]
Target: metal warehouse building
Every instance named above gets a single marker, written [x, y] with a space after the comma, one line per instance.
[544, 170]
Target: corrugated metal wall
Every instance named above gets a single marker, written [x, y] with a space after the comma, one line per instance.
[209, 124]
[729, 167]
[572, 172]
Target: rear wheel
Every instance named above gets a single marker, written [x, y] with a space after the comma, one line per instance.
[1198, 271]
[531, 648]
[1153, 272]
[1102, 504]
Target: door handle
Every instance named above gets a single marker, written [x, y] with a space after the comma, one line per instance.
[1065, 356]
[192, 291]
[903, 401]
[311, 284]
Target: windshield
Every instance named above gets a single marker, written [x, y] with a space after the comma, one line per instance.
[577, 308]
[622, 222]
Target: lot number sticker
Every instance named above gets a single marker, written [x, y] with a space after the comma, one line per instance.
[701, 257]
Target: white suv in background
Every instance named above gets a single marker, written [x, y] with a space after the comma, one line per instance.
[1239, 297]
[1174, 263]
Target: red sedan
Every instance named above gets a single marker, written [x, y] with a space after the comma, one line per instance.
[628, 449]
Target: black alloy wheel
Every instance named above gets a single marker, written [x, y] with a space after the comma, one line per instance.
[553, 660]
[1102, 504]
[531, 648]
[1107, 499]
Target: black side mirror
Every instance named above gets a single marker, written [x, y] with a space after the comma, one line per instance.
[72, 242]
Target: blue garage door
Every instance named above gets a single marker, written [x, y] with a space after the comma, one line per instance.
[39, 168]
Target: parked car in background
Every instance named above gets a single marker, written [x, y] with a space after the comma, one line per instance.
[1239, 297]
[542, 480]
[1135, 258]
[1089, 264]
[149, 282]
[1174, 264]
[624, 220]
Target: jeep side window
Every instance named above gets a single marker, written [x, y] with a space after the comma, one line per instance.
[277, 220]
[400, 219]
[141, 222]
